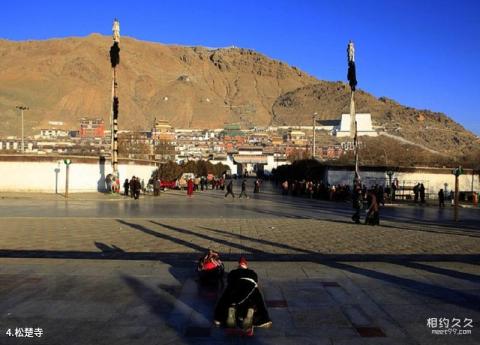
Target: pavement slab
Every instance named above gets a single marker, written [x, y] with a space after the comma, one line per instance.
[112, 270]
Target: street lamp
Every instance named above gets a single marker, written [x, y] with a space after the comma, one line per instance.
[22, 108]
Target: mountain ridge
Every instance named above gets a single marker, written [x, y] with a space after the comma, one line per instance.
[65, 79]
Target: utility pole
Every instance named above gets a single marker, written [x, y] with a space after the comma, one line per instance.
[314, 142]
[115, 60]
[22, 108]
[352, 79]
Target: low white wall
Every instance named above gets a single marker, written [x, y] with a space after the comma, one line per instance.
[436, 181]
[48, 177]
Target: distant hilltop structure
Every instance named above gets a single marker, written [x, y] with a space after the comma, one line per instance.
[56, 123]
[162, 130]
[364, 126]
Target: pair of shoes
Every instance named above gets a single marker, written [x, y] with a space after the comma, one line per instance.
[231, 318]
[248, 320]
[265, 325]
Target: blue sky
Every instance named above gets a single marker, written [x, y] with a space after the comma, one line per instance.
[424, 54]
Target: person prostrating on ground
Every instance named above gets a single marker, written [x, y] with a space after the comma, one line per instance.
[242, 300]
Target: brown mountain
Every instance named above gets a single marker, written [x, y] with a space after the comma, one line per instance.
[431, 130]
[66, 79]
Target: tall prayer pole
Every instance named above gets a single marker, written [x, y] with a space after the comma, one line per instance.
[314, 137]
[352, 80]
[115, 60]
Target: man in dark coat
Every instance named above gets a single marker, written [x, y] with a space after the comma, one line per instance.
[230, 189]
[244, 190]
[242, 300]
[416, 190]
[132, 186]
[357, 202]
[441, 198]
[126, 186]
[136, 187]
[422, 193]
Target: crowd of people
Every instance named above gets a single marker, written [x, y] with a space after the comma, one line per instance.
[316, 190]
[133, 187]
[334, 192]
[361, 196]
[419, 191]
[370, 199]
[199, 184]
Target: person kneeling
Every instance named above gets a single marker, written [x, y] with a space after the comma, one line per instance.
[210, 267]
[242, 301]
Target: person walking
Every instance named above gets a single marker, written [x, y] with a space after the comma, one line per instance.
[132, 186]
[393, 190]
[380, 197]
[222, 183]
[441, 198]
[108, 182]
[190, 187]
[256, 189]
[196, 183]
[422, 193]
[244, 190]
[285, 187]
[230, 189]
[416, 190]
[135, 187]
[138, 188]
[156, 187]
[373, 216]
[357, 202]
[126, 186]
[309, 187]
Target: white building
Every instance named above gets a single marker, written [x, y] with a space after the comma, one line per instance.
[364, 126]
[251, 160]
[53, 133]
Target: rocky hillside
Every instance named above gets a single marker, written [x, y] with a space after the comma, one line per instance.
[435, 131]
[66, 79]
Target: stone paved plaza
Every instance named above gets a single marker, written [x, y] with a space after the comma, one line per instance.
[99, 269]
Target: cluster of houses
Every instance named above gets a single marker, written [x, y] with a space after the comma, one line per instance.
[258, 149]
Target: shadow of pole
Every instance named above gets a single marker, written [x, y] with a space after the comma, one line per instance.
[210, 238]
[163, 236]
[101, 181]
